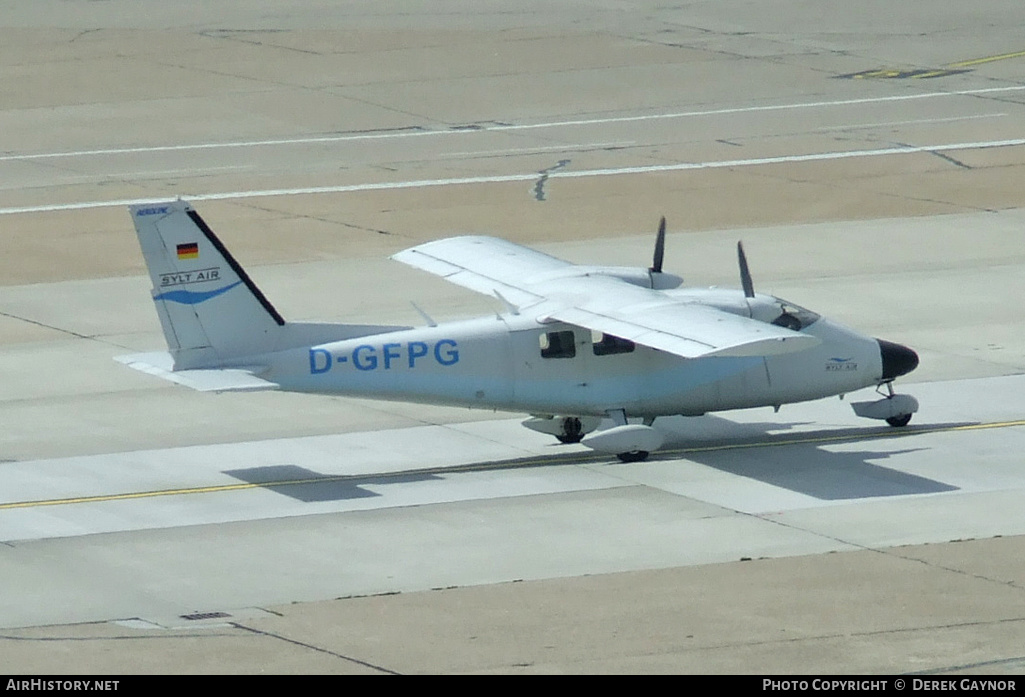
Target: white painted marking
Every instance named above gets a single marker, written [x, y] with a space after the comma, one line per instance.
[241, 144]
[903, 150]
[527, 151]
[532, 176]
[189, 171]
[778, 107]
[511, 127]
[855, 126]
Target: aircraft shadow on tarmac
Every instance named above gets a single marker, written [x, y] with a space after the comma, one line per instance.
[312, 487]
[798, 461]
[803, 462]
[810, 470]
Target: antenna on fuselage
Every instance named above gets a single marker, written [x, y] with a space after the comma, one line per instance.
[427, 318]
[508, 305]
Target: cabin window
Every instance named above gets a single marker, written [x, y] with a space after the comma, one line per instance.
[558, 345]
[607, 345]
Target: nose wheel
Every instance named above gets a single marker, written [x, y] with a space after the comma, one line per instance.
[633, 456]
[899, 421]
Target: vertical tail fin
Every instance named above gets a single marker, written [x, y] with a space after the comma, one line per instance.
[209, 308]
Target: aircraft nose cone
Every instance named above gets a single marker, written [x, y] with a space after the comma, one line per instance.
[897, 360]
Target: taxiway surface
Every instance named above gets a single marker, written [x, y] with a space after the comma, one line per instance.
[873, 159]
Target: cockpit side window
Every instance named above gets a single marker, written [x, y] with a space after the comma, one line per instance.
[558, 345]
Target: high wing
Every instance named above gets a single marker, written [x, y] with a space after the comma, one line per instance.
[487, 264]
[584, 297]
[653, 319]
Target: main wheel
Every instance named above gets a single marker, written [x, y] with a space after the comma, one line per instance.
[572, 431]
[633, 456]
[898, 421]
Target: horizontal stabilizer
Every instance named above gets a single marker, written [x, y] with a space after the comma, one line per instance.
[161, 365]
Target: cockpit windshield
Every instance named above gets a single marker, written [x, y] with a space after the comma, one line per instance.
[762, 308]
[793, 316]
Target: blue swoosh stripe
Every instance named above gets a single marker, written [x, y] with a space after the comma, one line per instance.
[189, 297]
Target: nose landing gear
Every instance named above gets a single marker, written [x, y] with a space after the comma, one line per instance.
[895, 409]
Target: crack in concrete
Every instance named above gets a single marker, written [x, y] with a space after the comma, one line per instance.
[69, 332]
[952, 160]
[539, 186]
[320, 219]
[237, 34]
[943, 156]
[82, 33]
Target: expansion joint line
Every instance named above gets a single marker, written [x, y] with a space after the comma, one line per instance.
[887, 551]
[304, 645]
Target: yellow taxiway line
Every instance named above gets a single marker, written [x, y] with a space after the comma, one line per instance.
[987, 59]
[576, 458]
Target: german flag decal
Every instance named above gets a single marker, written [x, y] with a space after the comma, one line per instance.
[189, 250]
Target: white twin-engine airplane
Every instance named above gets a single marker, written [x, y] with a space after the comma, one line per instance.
[572, 345]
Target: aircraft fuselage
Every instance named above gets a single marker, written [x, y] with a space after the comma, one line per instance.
[509, 363]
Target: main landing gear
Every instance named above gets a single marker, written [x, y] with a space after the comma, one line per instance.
[567, 429]
[629, 442]
[572, 431]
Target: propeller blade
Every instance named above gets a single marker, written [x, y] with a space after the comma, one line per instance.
[745, 272]
[660, 246]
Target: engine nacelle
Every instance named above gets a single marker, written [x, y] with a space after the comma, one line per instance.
[645, 278]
